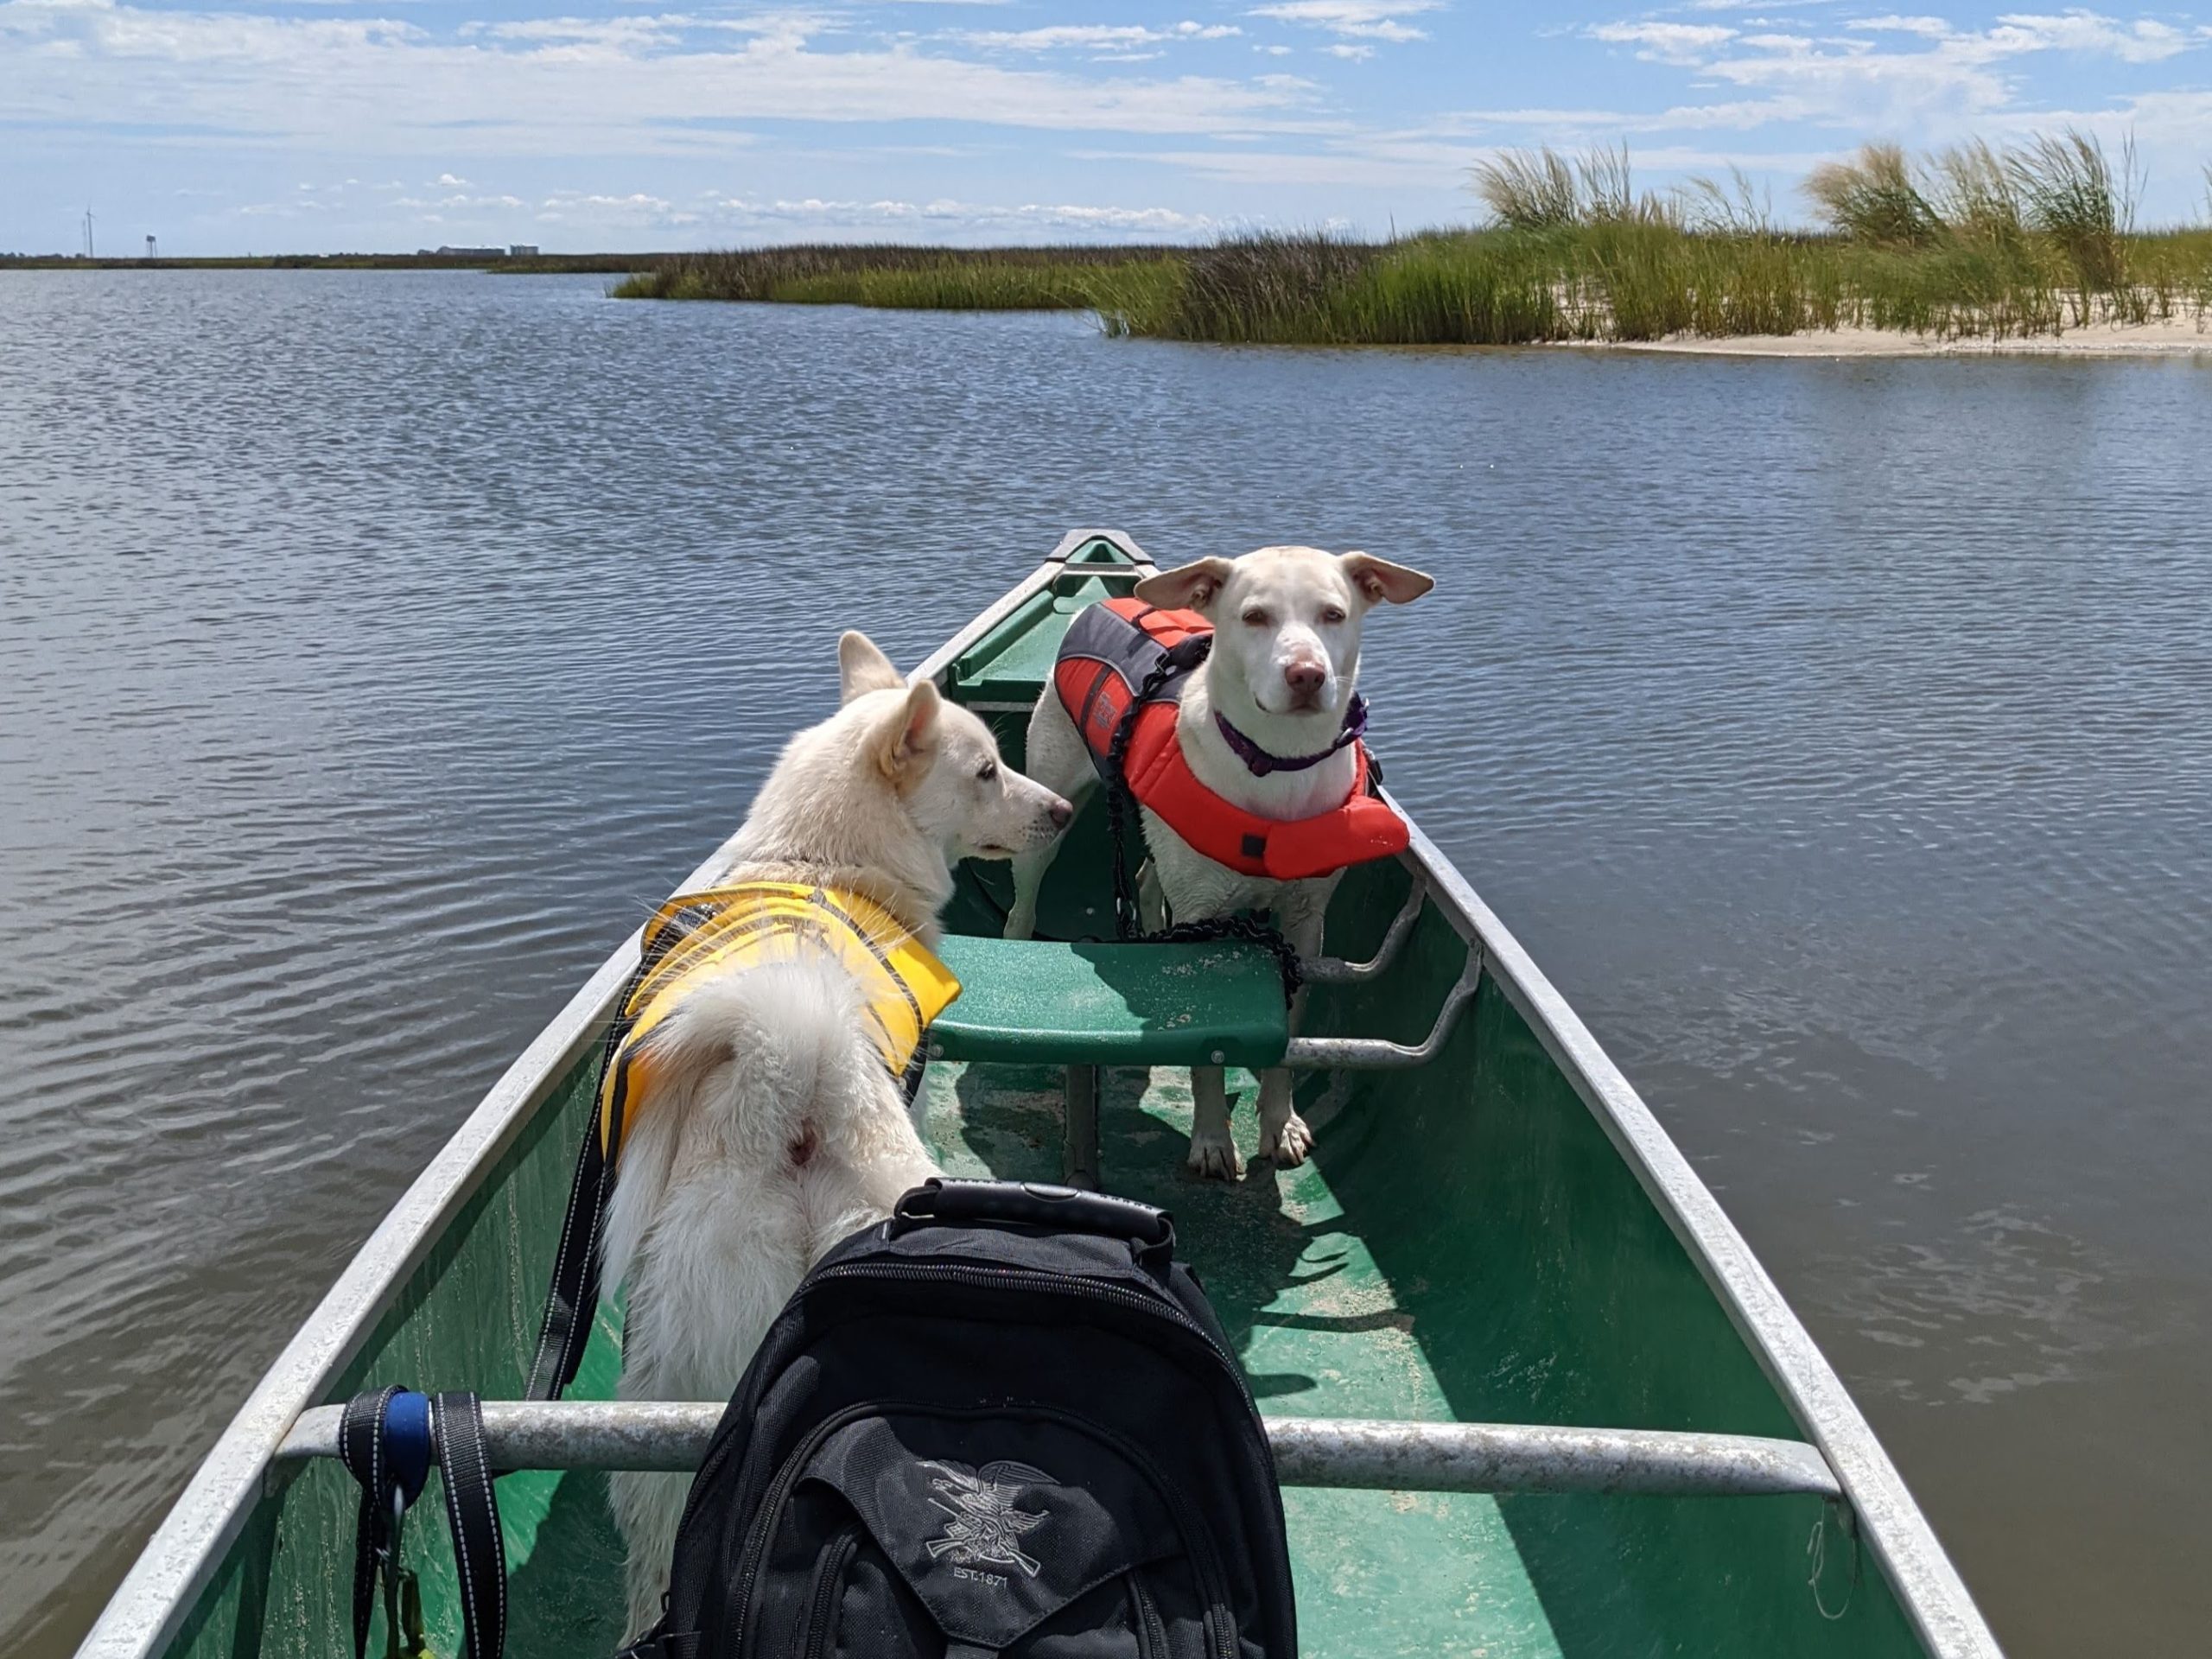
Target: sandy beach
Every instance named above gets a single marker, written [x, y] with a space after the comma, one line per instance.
[2176, 336]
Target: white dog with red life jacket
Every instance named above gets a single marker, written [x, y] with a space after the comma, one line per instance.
[1268, 723]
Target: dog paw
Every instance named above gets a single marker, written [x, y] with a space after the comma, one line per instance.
[1286, 1144]
[1213, 1156]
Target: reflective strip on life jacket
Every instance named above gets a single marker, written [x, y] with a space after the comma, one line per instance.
[1108, 650]
[694, 933]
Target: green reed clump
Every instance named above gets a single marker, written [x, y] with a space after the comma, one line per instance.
[1542, 190]
[1956, 290]
[1265, 289]
[2032, 239]
[998, 279]
[1875, 197]
[1528, 190]
[1496, 289]
[2070, 191]
[1437, 288]
[1975, 194]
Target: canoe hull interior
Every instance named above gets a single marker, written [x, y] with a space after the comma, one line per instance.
[1467, 1243]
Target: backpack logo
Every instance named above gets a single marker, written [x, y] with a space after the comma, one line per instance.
[982, 1523]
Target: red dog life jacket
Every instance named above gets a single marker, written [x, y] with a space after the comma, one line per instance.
[1107, 652]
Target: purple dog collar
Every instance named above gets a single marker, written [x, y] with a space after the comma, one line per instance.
[1260, 763]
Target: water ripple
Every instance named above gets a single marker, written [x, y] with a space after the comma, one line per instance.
[375, 648]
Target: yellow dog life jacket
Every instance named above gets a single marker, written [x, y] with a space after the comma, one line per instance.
[695, 933]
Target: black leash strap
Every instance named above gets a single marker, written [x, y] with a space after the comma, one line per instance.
[566, 1324]
[472, 1515]
[1122, 812]
[362, 1449]
[572, 1298]
[1120, 801]
[386, 1440]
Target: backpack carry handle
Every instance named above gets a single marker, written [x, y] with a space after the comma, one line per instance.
[1040, 1204]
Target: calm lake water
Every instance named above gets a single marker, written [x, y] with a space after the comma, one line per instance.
[375, 648]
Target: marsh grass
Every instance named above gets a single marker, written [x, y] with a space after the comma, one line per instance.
[882, 274]
[1874, 198]
[1527, 190]
[1636, 281]
[2072, 191]
[1976, 241]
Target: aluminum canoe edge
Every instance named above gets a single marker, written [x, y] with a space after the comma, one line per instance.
[181, 1557]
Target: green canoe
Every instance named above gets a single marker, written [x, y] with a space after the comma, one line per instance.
[1531, 1394]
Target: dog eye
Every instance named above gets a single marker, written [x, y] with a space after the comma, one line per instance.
[1332, 614]
[1255, 618]
[988, 770]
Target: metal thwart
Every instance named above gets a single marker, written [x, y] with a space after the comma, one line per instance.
[1374, 1054]
[1309, 1451]
[1334, 970]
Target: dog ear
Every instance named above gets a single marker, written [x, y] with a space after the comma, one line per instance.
[906, 743]
[1379, 580]
[1191, 588]
[862, 667]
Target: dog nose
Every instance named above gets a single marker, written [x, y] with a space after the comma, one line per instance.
[1305, 677]
[1061, 813]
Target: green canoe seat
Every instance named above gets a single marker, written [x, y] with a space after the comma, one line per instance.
[1030, 1002]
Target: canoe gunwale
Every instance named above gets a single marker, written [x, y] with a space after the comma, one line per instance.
[186, 1550]
[1927, 1588]
[179, 1562]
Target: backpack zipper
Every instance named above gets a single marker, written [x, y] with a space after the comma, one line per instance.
[1152, 1636]
[1205, 1560]
[771, 1502]
[830, 1578]
[1158, 1308]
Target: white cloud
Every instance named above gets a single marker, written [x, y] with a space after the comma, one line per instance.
[1894, 72]
[715, 216]
[1096, 37]
[637, 211]
[2145, 41]
[1364, 164]
[1676, 43]
[448, 182]
[1353, 54]
[1371, 20]
[458, 203]
[1933, 29]
[380, 87]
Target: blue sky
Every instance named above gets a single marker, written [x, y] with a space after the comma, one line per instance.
[265, 125]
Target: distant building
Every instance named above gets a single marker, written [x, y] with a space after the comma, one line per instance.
[463, 254]
[523, 251]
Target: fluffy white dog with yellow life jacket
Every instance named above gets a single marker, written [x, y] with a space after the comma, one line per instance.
[766, 1123]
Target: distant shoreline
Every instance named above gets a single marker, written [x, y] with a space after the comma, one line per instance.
[1629, 288]
[536, 264]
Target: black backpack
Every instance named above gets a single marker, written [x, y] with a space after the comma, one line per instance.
[1004, 1421]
